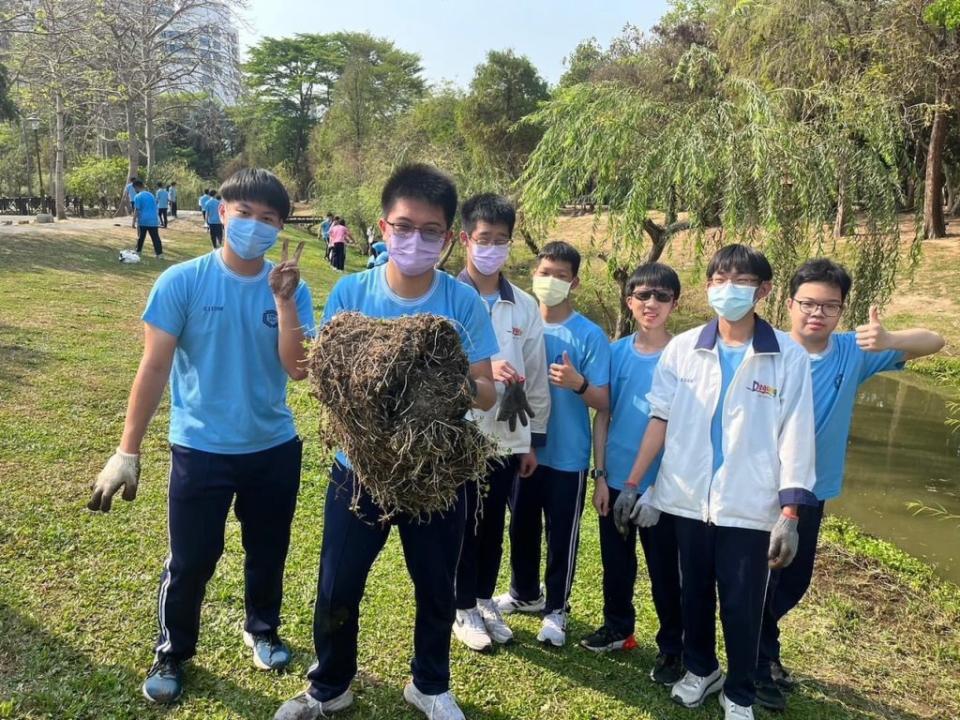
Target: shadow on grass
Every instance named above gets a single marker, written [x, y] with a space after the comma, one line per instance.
[20, 357]
[74, 253]
[43, 676]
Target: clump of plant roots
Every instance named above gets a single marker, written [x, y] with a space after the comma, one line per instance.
[395, 398]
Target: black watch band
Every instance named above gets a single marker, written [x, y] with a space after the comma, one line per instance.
[583, 388]
[597, 474]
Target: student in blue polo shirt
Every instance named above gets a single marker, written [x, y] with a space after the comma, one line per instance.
[418, 204]
[202, 202]
[227, 330]
[163, 200]
[652, 294]
[215, 220]
[578, 357]
[841, 362]
[147, 218]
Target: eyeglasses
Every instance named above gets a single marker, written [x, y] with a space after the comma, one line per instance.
[718, 280]
[830, 309]
[660, 295]
[404, 230]
[488, 240]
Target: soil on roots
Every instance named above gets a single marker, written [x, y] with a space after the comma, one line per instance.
[395, 400]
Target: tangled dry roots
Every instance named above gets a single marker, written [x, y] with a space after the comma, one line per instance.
[394, 399]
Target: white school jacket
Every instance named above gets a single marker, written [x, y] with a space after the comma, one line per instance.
[519, 330]
[768, 429]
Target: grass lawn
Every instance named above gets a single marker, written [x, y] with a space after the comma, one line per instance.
[877, 637]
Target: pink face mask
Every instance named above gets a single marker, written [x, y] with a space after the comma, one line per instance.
[488, 259]
[412, 254]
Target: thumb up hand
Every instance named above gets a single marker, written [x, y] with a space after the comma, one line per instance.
[872, 337]
[564, 374]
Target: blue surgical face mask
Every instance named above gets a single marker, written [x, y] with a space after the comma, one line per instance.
[250, 238]
[732, 302]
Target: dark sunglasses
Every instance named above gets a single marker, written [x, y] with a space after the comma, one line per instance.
[660, 295]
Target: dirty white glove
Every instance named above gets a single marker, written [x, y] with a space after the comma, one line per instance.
[121, 470]
[644, 514]
[784, 539]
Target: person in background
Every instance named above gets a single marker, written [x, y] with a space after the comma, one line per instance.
[172, 191]
[202, 202]
[214, 221]
[840, 363]
[130, 193]
[163, 201]
[147, 219]
[551, 500]
[227, 330]
[325, 231]
[339, 237]
[520, 374]
[652, 294]
[378, 254]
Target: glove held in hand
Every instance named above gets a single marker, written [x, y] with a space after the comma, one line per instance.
[122, 469]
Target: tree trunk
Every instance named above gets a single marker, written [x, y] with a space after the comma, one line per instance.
[149, 139]
[58, 176]
[671, 214]
[133, 152]
[843, 225]
[934, 225]
[624, 321]
[660, 236]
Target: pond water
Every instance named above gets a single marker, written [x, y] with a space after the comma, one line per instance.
[901, 451]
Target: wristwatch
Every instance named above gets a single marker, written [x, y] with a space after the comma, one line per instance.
[583, 388]
[598, 474]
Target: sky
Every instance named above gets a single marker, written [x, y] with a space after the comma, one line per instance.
[453, 36]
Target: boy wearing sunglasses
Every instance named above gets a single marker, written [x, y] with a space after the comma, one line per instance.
[840, 363]
[731, 408]
[652, 294]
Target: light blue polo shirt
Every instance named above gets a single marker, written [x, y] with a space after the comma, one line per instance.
[146, 206]
[212, 208]
[631, 375]
[568, 429]
[367, 292]
[228, 388]
[162, 198]
[730, 359]
[837, 374]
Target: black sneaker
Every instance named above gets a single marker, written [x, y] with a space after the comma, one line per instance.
[781, 676]
[604, 640]
[771, 696]
[667, 670]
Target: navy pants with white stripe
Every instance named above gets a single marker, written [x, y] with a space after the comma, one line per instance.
[788, 586]
[263, 488]
[553, 500]
[351, 543]
[483, 537]
[732, 563]
[618, 556]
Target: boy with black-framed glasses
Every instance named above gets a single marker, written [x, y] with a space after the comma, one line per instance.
[840, 363]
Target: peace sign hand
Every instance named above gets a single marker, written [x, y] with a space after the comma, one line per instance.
[285, 276]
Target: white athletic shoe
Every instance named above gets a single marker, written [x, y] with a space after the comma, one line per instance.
[435, 707]
[553, 631]
[469, 629]
[732, 711]
[305, 707]
[508, 604]
[692, 690]
[499, 631]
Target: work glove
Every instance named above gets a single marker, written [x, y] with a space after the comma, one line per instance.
[784, 539]
[644, 514]
[623, 509]
[514, 406]
[123, 469]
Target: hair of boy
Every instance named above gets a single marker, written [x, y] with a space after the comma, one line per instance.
[257, 185]
[419, 181]
[740, 259]
[172, 184]
[132, 179]
[560, 251]
[329, 214]
[138, 183]
[822, 270]
[489, 208]
[656, 276]
[211, 192]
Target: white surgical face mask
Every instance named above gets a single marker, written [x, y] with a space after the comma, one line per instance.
[732, 302]
[550, 290]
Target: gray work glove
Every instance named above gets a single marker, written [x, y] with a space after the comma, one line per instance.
[784, 539]
[623, 509]
[514, 406]
[644, 514]
[122, 469]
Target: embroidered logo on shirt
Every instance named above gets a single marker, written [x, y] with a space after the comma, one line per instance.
[270, 318]
[517, 332]
[212, 308]
[763, 389]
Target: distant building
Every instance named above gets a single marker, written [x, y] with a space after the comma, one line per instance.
[208, 42]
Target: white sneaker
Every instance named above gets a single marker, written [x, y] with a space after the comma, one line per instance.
[554, 629]
[470, 630]
[305, 707]
[508, 604]
[435, 707]
[499, 631]
[732, 711]
[692, 690]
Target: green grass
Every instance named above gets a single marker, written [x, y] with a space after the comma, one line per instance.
[877, 638]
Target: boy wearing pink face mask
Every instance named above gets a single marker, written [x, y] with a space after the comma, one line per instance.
[520, 374]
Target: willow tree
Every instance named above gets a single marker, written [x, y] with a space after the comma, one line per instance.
[763, 165]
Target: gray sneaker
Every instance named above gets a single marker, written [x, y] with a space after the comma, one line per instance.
[164, 681]
[306, 707]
